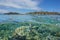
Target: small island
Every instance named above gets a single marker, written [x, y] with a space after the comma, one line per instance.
[44, 13]
[12, 13]
[32, 13]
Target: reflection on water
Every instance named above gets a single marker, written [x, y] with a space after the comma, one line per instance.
[47, 18]
[22, 18]
[14, 17]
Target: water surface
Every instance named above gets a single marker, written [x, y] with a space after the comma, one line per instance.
[22, 18]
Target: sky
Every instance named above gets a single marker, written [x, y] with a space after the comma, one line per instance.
[23, 6]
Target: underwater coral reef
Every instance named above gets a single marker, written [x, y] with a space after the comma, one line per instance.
[27, 31]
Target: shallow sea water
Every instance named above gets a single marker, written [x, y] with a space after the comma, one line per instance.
[37, 27]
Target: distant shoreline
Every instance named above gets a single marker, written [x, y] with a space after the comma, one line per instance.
[44, 13]
[32, 13]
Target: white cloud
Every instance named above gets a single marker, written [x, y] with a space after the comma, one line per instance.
[22, 4]
[3, 11]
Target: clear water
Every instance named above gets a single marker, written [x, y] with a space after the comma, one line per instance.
[8, 29]
[21, 18]
[14, 18]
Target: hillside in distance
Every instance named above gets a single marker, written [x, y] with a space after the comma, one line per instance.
[44, 13]
[33, 13]
[12, 13]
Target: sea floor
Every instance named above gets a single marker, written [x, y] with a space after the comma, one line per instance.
[39, 28]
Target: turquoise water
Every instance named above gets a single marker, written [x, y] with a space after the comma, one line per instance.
[47, 19]
[42, 26]
[22, 18]
[14, 18]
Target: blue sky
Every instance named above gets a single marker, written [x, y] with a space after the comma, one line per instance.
[23, 6]
[51, 5]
